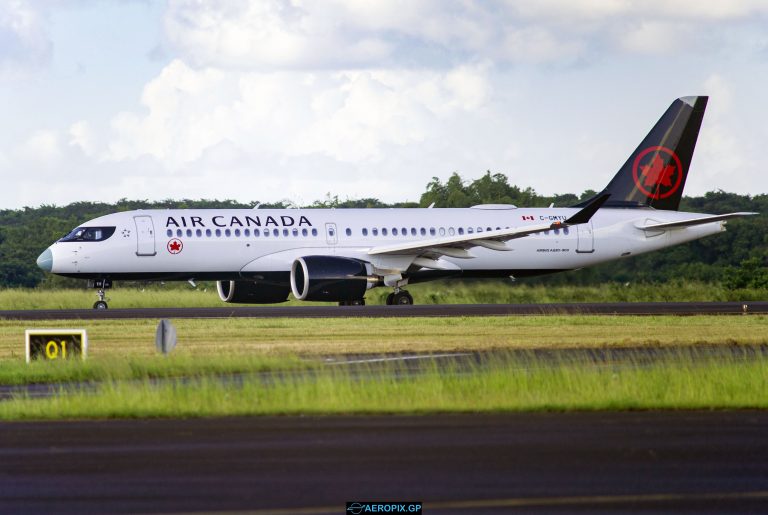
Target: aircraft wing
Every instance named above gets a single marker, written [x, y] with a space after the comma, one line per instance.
[693, 221]
[456, 246]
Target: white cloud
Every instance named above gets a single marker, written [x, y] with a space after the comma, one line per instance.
[24, 42]
[348, 116]
[655, 37]
[82, 136]
[43, 146]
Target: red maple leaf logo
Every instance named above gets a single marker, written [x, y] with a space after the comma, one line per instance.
[175, 246]
[656, 173]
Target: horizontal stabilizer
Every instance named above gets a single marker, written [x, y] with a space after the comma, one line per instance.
[694, 221]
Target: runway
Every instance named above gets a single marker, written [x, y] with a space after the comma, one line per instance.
[432, 310]
[646, 462]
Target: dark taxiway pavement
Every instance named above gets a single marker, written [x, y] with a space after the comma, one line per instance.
[642, 462]
[442, 310]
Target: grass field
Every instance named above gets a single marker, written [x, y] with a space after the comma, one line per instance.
[439, 292]
[205, 338]
[123, 358]
[504, 386]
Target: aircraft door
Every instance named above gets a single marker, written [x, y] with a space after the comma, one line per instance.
[585, 238]
[331, 237]
[145, 236]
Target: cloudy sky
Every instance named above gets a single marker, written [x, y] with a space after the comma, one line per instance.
[292, 99]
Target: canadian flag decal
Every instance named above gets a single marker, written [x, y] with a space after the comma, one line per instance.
[527, 217]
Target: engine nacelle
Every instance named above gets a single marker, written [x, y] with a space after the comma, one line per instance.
[249, 292]
[330, 278]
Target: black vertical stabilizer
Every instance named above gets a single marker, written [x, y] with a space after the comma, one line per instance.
[655, 173]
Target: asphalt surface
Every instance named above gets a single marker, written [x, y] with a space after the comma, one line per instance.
[442, 310]
[644, 462]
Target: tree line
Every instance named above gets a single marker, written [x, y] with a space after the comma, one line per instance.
[736, 258]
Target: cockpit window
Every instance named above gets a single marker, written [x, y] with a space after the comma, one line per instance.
[89, 234]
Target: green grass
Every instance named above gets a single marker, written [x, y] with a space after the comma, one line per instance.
[113, 368]
[207, 338]
[439, 292]
[502, 387]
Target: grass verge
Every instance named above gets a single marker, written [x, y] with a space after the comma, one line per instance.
[141, 367]
[438, 292]
[500, 387]
[208, 338]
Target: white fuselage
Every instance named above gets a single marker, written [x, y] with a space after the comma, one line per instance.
[239, 244]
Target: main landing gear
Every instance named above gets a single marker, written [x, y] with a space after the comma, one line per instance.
[102, 285]
[399, 298]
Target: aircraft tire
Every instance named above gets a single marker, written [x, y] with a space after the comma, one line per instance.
[100, 304]
[402, 298]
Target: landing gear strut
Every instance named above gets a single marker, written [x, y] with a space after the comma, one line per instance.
[102, 285]
[399, 298]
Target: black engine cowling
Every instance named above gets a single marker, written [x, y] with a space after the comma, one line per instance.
[250, 292]
[330, 278]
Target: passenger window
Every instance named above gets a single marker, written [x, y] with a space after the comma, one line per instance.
[442, 231]
[404, 232]
[247, 233]
[423, 231]
[208, 232]
[178, 233]
[256, 232]
[375, 231]
[275, 232]
[349, 231]
[413, 231]
[565, 230]
[365, 231]
[169, 232]
[451, 232]
[431, 231]
[394, 231]
[470, 230]
[266, 233]
[314, 232]
[383, 231]
[304, 232]
[218, 233]
[295, 233]
[227, 233]
[285, 232]
[198, 233]
[237, 232]
[461, 231]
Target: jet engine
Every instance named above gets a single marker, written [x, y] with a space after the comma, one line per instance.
[331, 278]
[250, 292]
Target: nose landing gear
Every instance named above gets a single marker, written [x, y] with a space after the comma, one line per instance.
[102, 285]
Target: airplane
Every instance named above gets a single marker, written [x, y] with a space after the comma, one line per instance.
[261, 256]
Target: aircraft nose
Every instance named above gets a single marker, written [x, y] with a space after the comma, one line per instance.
[45, 260]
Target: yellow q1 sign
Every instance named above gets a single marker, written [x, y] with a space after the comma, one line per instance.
[56, 344]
